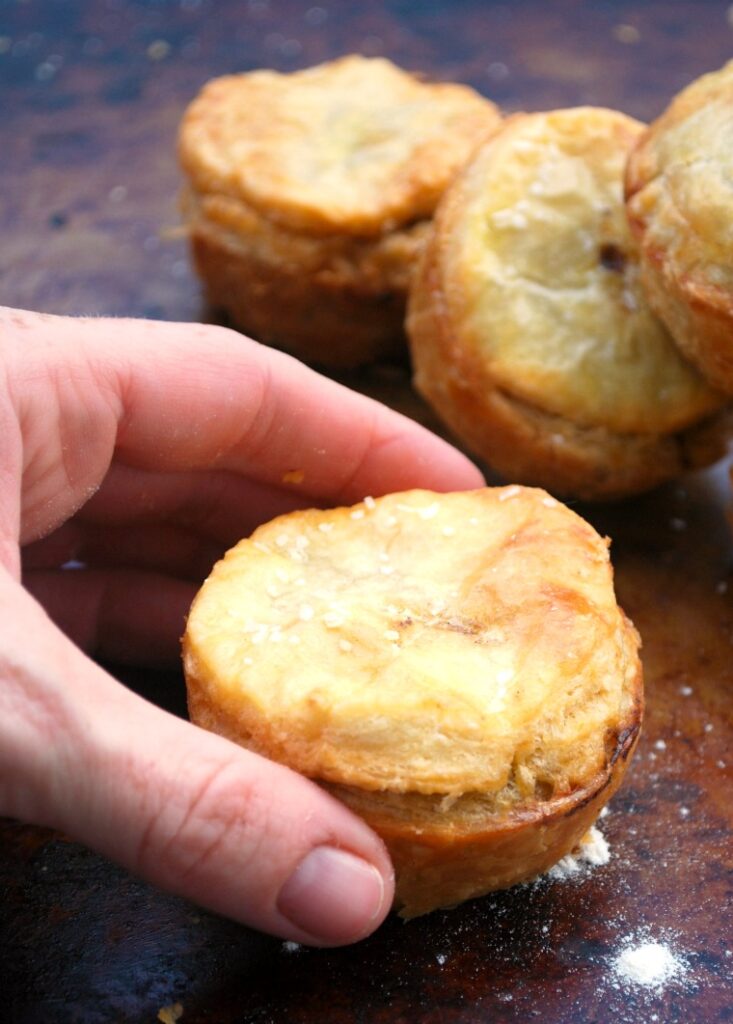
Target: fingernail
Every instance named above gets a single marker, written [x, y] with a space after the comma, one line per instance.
[332, 895]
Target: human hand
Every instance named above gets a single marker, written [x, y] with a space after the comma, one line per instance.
[143, 450]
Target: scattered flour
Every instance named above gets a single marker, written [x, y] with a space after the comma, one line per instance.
[593, 851]
[647, 963]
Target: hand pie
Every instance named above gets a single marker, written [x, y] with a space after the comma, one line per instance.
[529, 331]
[309, 196]
[454, 667]
[679, 187]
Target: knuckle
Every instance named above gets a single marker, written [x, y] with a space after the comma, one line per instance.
[226, 814]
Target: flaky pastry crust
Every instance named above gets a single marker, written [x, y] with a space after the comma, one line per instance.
[529, 331]
[454, 667]
[309, 195]
[337, 300]
[680, 205]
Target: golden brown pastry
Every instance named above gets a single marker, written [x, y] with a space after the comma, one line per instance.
[454, 667]
[309, 196]
[679, 187]
[529, 331]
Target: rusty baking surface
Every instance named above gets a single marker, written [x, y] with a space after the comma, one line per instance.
[92, 95]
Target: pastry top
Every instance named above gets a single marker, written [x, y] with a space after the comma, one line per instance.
[540, 278]
[679, 185]
[355, 145]
[422, 643]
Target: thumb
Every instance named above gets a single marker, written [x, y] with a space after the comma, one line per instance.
[185, 809]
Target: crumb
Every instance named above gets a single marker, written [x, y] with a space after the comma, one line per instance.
[170, 1014]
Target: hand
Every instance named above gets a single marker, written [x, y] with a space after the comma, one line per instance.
[143, 450]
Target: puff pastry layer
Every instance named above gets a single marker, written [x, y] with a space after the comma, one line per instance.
[529, 329]
[308, 196]
[680, 204]
[454, 667]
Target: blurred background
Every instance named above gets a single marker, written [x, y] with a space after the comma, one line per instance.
[92, 93]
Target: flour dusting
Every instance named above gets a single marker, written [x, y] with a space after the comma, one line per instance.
[593, 851]
[648, 964]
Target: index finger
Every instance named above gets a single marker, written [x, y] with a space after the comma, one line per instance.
[195, 396]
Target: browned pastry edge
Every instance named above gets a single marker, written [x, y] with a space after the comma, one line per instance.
[698, 316]
[697, 311]
[441, 858]
[440, 862]
[315, 321]
[525, 443]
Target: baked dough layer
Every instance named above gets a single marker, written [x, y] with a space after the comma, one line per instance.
[333, 299]
[309, 197]
[680, 205]
[430, 643]
[529, 330]
[453, 666]
[356, 145]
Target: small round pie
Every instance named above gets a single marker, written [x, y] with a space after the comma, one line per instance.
[454, 667]
[309, 196]
[679, 187]
[529, 330]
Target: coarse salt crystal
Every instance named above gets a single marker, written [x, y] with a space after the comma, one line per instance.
[370, 502]
[306, 612]
[509, 218]
[358, 513]
[509, 492]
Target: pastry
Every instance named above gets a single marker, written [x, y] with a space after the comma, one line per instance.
[680, 205]
[454, 667]
[529, 330]
[309, 196]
